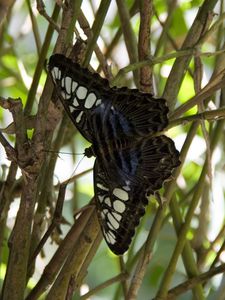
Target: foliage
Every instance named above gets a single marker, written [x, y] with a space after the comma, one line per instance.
[179, 245]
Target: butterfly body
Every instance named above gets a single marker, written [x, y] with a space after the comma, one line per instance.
[122, 126]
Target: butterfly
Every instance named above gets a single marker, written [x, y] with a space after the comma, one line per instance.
[123, 126]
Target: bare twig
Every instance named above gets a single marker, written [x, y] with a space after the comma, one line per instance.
[190, 283]
[120, 277]
[75, 260]
[145, 6]
[61, 255]
[212, 115]
[217, 82]
[198, 28]
[159, 60]
[129, 36]
[56, 220]
[4, 8]
[42, 11]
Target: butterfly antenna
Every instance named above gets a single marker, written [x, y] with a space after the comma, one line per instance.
[62, 152]
[74, 172]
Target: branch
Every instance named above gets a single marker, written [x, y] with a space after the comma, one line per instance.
[217, 82]
[159, 60]
[212, 115]
[190, 283]
[120, 277]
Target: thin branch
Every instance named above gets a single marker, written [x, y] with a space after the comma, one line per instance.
[56, 220]
[146, 84]
[181, 241]
[42, 11]
[212, 246]
[88, 32]
[124, 282]
[212, 115]
[96, 28]
[171, 8]
[34, 27]
[121, 277]
[197, 30]
[158, 60]
[157, 223]
[4, 9]
[115, 40]
[61, 255]
[129, 36]
[76, 259]
[83, 271]
[212, 30]
[217, 82]
[218, 254]
[39, 68]
[10, 151]
[190, 283]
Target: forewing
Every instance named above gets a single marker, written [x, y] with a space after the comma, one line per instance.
[79, 91]
[118, 113]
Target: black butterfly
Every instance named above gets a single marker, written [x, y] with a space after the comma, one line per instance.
[132, 160]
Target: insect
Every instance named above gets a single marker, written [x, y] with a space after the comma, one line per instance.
[123, 126]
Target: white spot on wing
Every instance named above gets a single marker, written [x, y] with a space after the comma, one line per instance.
[63, 94]
[101, 198]
[105, 211]
[112, 221]
[107, 201]
[107, 238]
[110, 226]
[98, 102]
[54, 73]
[102, 187]
[78, 118]
[90, 100]
[112, 241]
[112, 234]
[81, 92]
[59, 74]
[111, 238]
[102, 106]
[71, 108]
[68, 82]
[74, 85]
[117, 216]
[67, 96]
[127, 186]
[75, 102]
[119, 206]
[121, 194]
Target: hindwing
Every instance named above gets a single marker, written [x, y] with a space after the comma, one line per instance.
[122, 182]
[120, 206]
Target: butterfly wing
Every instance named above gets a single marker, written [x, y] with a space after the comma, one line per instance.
[119, 208]
[121, 193]
[121, 112]
[78, 90]
[118, 123]
[145, 114]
